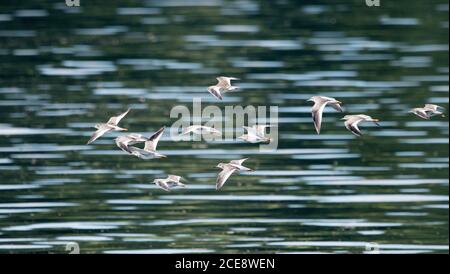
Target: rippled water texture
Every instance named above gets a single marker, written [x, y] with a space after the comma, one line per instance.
[64, 69]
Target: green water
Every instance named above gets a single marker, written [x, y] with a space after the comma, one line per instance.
[64, 69]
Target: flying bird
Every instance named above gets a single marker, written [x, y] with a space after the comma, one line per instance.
[223, 85]
[112, 124]
[123, 142]
[228, 170]
[149, 151]
[170, 182]
[320, 102]
[352, 121]
[196, 129]
[256, 134]
[428, 111]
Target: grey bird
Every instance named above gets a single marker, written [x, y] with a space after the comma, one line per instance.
[228, 170]
[149, 151]
[197, 129]
[223, 85]
[124, 141]
[170, 182]
[256, 134]
[428, 111]
[112, 124]
[352, 121]
[320, 102]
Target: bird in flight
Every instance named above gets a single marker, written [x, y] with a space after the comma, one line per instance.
[223, 85]
[352, 121]
[428, 111]
[320, 102]
[149, 151]
[112, 124]
[170, 182]
[228, 169]
[256, 134]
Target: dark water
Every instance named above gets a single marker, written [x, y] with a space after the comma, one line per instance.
[64, 69]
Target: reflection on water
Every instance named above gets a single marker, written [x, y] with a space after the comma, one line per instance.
[331, 193]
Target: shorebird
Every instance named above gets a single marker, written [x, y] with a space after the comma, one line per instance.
[428, 111]
[228, 169]
[223, 85]
[320, 102]
[352, 121]
[196, 129]
[123, 141]
[256, 134]
[112, 124]
[170, 182]
[149, 151]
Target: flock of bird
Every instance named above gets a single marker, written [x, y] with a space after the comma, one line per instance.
[255, 134]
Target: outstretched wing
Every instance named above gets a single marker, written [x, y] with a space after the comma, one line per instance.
[422, 113]
[215, 91]
[336, 106]
[162, 184]
[225, 82]
[238, 162]
[223, 176]
[174, 178]
[352, 125]
[189, 129]
[122, 143]
[99, 133]
[261, 130]
[317, 111]
[152, 142]
[116, 119]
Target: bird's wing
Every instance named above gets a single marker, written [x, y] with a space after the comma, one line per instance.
[152, 142]
[225, 82]
[122, 143]
[317, 111]
[162, 184]
[189, 129]
[174, 178]
[116, 119]
[336, 106]
[422, 113]
[215, 91]
[352, 125]
[261, 130]
[251, 130]
[102, 130]
[223, 176]
[238, 162]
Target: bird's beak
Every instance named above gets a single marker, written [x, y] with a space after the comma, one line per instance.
[125, 129]
[339, 102]
[376, 122]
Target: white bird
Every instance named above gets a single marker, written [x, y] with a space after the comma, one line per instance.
[197, 129]
[428, 111]
[149, 151]
[112, 124]
[228, 169]
[256, 134]
[223, 85]
[352, 121]
[320, 102]
[170, 182]
[123, 141]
